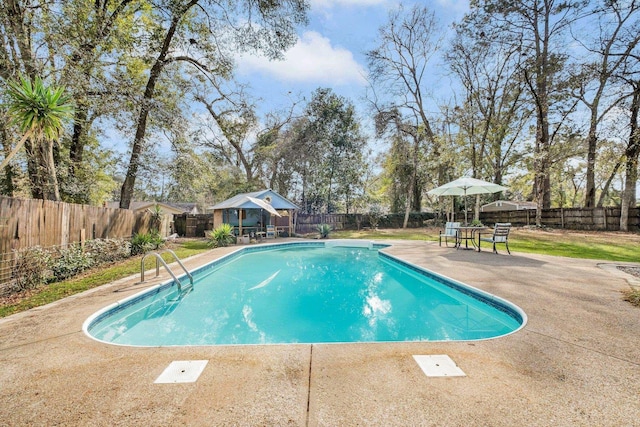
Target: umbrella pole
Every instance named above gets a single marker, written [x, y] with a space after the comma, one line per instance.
[453, 209]
[465, 207]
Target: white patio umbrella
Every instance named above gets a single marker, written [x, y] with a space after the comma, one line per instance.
[264, 205]
[466, 186]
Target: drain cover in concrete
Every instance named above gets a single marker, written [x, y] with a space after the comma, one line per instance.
[182, 371]
[439, 365]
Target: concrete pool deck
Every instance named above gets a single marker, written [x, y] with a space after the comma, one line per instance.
[576, 363]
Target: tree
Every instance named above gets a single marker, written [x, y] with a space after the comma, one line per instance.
[40, 112]
[79, 44]
[264, 26]
[234, 131]
[539, 29]
[17, 57]
[398, 67]
[287, 159]
[397, 172]
[92, 40]
[495, 110]
[618, 36]
[329, 153]
[334, 128]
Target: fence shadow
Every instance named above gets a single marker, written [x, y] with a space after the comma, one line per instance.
[489, 259]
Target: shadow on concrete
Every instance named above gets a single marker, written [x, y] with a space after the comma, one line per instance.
[489, 259]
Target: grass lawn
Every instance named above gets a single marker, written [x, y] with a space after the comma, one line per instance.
[606, 246]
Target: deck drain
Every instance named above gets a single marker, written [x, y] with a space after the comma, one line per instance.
[182, 371]
[439, 365]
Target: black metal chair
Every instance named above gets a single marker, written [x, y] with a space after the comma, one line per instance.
[500, 235]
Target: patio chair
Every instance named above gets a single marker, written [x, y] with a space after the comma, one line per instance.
[271, 232]
[500, 235]
[450, 232]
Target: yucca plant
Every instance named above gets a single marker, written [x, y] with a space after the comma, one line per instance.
[156, 217]
[145, 242]
[40, 112]
[324, 230]
[221, 236]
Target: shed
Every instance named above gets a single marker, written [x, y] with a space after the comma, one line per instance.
[252, 212]
[167, 208]
[507, 205]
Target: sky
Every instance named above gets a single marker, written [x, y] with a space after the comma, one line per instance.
[331, 51]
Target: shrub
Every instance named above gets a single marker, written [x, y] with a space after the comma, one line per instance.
[69, 262]
[31, 269]
[324, 230]
[144, 242]
[221, 236]
[374, 215]
[108, 250]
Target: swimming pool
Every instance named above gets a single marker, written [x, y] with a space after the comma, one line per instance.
[306, 293]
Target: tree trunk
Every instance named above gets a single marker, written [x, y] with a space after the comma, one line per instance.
[592, 143]
[76, 149]
[407, 208]
[51, 190]
[414, 174]
[20, 27]
[33, 169]
[329, 191]
[607, 185]
[541, 169]
[631, 152]
[416, 202]
[7, 186]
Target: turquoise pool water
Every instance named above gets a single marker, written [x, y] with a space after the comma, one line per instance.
[306, 294]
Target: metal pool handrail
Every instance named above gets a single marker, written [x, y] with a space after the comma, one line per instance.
[159, 260]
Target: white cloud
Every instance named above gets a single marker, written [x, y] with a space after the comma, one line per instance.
[312, 60]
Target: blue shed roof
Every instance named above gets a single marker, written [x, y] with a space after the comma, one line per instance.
[242, 201]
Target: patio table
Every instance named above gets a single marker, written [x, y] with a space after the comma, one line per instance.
[468, 233]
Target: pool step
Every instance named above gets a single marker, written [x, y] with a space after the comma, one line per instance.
[349, 243]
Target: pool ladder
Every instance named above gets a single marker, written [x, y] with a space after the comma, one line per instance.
[159, 261]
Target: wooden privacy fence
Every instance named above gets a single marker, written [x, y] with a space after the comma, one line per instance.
[192, 225]
[604, 219]
[307, 223]
[25, 223]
